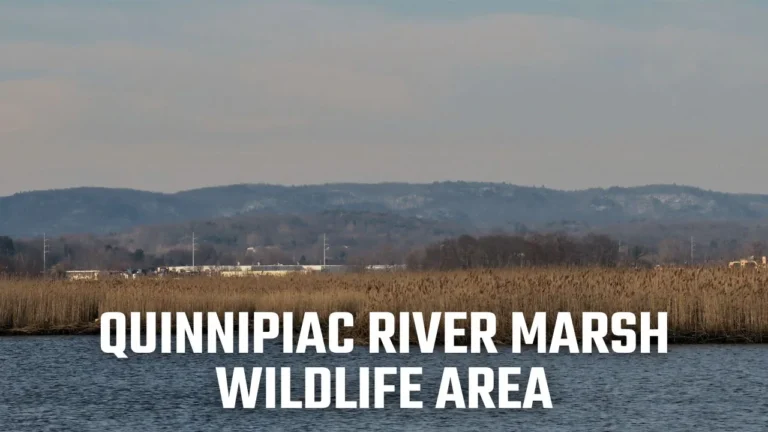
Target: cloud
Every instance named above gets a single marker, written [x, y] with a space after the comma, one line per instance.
[297, 93]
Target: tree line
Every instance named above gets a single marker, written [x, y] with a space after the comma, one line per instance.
[25, 256]
[501, 250]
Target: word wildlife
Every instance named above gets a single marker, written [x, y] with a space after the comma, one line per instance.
[327, 387]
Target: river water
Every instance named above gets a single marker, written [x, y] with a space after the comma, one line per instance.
[67, 384]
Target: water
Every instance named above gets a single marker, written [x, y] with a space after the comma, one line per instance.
[68, 384]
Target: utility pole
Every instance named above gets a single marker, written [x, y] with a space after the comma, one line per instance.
[693, 244]
[325, 248]
[194, 247]
[45, 253]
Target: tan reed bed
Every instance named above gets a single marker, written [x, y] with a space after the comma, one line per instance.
[704, 305]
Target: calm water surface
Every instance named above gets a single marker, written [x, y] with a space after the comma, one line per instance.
[68, 384]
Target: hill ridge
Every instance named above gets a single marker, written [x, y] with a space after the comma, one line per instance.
[473, 205]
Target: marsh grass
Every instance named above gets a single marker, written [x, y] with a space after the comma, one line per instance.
[704, 305]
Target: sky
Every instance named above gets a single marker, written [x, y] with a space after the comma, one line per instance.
[172, 95]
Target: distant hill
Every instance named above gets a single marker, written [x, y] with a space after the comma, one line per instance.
[473, 206]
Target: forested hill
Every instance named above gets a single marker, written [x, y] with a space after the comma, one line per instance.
[480, 206]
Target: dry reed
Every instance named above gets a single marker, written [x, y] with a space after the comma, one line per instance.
[704, 305]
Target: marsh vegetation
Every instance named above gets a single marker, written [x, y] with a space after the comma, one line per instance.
[704, 305]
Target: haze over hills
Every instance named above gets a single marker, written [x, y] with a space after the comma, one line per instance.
[473, 206]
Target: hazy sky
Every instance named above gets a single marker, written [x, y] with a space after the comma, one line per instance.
[168, 95]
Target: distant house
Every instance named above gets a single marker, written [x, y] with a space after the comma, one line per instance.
[386, 267]
[83, 274]
[269, 270]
